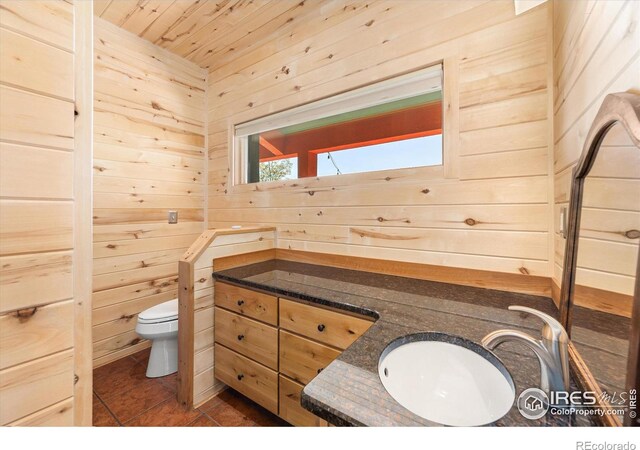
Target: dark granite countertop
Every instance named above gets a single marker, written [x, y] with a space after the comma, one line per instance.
[349, 391]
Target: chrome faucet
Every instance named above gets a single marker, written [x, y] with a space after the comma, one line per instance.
[551, 350]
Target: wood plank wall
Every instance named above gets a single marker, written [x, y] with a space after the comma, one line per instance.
[149, 133]
[596, 52]
[37, 204]
[496, 167]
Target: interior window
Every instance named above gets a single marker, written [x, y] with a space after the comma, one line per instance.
[391, 125]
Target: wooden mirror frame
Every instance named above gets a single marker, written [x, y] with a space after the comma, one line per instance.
[623, 109]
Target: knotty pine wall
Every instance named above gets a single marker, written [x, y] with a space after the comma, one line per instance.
[37, 222]
[488, 208]
[149, 139]
[596, 52]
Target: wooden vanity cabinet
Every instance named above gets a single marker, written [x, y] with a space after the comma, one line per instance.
[323, 325]
[290, 408]
[301, 359]
[269, 348]
[248, 337]
[246, 343]
[252, 304]
[248, 377]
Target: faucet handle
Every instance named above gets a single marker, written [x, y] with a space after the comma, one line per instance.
[557, 331]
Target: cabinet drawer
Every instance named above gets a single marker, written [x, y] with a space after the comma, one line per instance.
[249, 378]
[248, 337]
[290, 408]
[249, 303]
[302, 359]
[329, 327]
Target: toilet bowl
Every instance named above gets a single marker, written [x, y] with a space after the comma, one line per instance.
[159, 324]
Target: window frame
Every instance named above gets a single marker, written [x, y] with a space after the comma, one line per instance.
[380, 92]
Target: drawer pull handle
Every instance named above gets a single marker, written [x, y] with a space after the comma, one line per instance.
[240, 337]
[320, 369]
[321, 328]
[240, 302]
[240, 377]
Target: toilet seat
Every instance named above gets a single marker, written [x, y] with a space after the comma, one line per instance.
[164, 312]
[157, 329]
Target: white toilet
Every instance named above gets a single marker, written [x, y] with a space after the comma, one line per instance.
[160, 325]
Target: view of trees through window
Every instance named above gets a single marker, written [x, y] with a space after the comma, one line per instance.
[276, 170]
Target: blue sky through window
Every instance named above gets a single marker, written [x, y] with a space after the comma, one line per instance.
[418, 152]
[424, 151]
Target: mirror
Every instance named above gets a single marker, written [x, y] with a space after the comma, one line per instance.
[607, 256]
[605, 243]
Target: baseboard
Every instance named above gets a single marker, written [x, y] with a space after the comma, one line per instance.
[207, 395]
[119, 354]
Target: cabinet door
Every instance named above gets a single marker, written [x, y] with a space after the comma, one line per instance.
[290, 408]
[329, 327]
[259, 306]
[254, 380]
[302, 359]
[248, 337]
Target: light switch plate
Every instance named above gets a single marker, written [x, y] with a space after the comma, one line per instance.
[173, 216]
[563, 222]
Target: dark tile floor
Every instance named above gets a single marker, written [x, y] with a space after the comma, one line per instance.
[124, 396]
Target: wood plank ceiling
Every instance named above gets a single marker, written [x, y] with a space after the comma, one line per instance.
[206, 32]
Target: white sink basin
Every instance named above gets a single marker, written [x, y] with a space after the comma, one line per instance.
[447, 383]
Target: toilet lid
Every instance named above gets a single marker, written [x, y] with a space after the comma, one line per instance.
[163, 312]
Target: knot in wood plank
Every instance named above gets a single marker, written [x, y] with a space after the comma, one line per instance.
[632, 234]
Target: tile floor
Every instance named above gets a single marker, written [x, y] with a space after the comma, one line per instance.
[124, 396]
